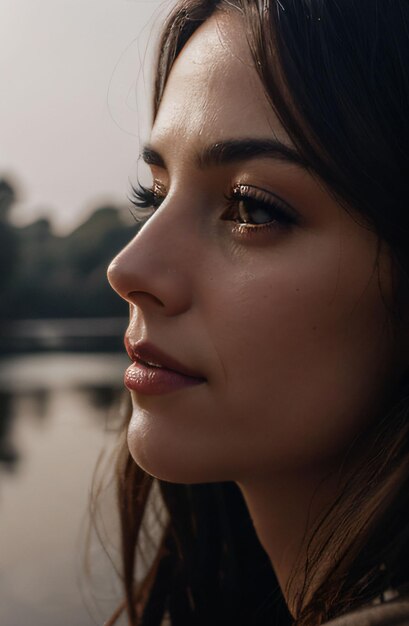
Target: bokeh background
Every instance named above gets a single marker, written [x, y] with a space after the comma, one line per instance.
[75, 84]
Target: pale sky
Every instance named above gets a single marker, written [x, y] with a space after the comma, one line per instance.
[69, 116]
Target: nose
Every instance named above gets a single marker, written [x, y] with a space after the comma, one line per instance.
[153, 270]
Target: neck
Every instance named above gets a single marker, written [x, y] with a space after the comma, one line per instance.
[284, 510]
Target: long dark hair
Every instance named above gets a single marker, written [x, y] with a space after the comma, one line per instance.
[337, 75]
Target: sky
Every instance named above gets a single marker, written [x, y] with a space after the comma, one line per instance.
[75, 83]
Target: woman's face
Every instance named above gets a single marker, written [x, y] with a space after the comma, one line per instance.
[273, 300]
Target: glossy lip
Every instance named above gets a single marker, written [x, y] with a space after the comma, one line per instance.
[146, 353]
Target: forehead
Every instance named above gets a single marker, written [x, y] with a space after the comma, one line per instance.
[213, 91]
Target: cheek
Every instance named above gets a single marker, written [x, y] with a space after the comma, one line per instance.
[305, 365]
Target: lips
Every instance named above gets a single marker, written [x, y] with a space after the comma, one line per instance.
[148, 354]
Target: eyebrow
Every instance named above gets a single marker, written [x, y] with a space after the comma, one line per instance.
[233, 151]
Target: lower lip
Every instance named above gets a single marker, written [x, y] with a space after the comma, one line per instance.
[154, 381]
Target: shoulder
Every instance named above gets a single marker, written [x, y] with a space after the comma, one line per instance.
[389, 614]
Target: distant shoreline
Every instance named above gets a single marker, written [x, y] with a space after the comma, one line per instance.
[103, 334]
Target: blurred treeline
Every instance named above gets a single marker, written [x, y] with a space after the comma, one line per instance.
[46, 276]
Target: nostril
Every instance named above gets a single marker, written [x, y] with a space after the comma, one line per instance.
[138, 297]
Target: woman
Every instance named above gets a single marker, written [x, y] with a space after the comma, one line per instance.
[269, 328]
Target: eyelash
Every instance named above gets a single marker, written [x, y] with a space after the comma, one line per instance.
[146, 201]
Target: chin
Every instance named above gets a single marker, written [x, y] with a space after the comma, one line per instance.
[171, 461]
[168, 469]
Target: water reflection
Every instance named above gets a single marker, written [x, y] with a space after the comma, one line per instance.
[101, 397]
[8, 453]
[55, 413]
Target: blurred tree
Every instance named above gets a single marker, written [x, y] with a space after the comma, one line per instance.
[66, 276]
[8, 244]
[7, 198]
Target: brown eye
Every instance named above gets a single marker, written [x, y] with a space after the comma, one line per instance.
[251, 211]
[255, 208]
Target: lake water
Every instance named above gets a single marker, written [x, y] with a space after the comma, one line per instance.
[57, 414]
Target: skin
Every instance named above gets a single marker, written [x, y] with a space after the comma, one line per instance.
[287, 325]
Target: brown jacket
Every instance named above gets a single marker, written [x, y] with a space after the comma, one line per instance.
[394, 613]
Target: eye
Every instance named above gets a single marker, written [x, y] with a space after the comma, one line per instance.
[254, 209]
[145, 201]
